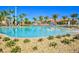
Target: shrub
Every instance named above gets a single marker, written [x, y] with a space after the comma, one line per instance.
[53, 44]
[1, 50]
[50, 37]
[35, 48]
[16, 40]
[63, 35]
[39, 40]
[16, 49]
[66, 41]
[58, 36]
[76, 37]
[72, 40]
[68, 35]
[6, 39]
[26, 41]
[0, 37]
[10, 43]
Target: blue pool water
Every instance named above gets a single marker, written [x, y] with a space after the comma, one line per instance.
[33, 31]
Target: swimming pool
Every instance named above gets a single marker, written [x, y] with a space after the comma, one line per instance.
[33, 31]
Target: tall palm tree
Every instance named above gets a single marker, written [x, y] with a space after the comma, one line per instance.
[46, 18]
[34, 18]
[0, 17]
[26, 20]
[4, 15]
[41, 18]
[55, 16]
[11, 11]
[11, 16]
[22, 16]
[74, 15]
[64, 18]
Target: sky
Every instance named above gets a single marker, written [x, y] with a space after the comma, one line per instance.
[36, 11]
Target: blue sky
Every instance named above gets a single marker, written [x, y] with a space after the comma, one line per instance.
[36, 11]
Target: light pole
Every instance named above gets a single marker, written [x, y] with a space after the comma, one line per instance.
[15, 13]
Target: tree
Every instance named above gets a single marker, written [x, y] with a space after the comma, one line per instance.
[41, 18]
[1, 16]
[74, 15]
[22, 16]
[46, 18]
[34, 18]
[26, 20]
[11, 16]
[11, 11]
[64, 17]
[4, 15]
[55, 16]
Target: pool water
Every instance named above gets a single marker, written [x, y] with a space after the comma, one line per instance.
[33, 31]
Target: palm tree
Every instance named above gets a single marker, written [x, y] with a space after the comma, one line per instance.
[46, 18]
[74, 15]
[26, 20]
[41, 18]
[11, 16]
[64, 18]
[0, 18]
[4, 16]
[12, 11]
[34, 18]
[55, 16]
[22, 16]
